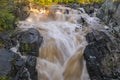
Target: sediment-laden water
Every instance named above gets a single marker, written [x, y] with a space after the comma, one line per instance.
[63, 30]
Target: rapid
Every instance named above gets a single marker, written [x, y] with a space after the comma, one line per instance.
[63, 30]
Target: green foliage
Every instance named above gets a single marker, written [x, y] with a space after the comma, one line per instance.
[49, 2]
[25, 47]
[8, 7]
[7, 19]
[4, 78]
[1, 44]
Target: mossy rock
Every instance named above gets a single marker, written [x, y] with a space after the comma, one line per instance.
[1, 44]
[4, 78]
[24, 47]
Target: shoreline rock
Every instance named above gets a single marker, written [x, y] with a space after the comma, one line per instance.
[102, 57]
[20, 64]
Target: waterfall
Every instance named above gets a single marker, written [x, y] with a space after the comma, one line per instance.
[61, 53]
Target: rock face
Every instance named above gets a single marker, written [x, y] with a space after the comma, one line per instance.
[6, 41]
[11, 65]
[20, 64]
[5, 64]
[109, 10]
[30, 42]
[110, 14]
[102, 57]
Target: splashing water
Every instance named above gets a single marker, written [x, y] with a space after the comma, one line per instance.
[61, 54]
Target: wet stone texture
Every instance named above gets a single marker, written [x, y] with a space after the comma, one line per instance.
[102, 57]
[109, 13]
[30, 42]
[20, 64]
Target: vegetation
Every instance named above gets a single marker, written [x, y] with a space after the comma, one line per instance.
[8, 9]
[1, 44]
[4, 78]
[46, 2]
[7, 19]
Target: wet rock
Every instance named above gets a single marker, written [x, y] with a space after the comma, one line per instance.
[97, 5]
[89, 9]
[30, 42]
[22, 74]
[31, 66]
[15, 67]
[102, 57]
[7, 39]
[106, 10]
[5, 64]
[11, 64]
[109, 11]
[20, 65]
[116, 15]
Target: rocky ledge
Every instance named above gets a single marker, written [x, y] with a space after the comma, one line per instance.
[102, 53]
[18, 55]
[102, 57]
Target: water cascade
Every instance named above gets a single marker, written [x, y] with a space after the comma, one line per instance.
[61, 53]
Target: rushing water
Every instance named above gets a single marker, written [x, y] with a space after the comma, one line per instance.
[61, 53]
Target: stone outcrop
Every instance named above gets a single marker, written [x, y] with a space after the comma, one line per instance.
[102, 57]
[20, 64]
[110, 14]
[30, 41]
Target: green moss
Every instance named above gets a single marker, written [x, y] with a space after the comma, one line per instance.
[4, 78]
[25, 47]
[111, 64]
[1, 44]
[49, 2]
[7, 18]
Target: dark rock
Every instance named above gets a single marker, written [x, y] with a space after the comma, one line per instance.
[102, 57]
[4, 35]
[11, 64]
[16, 67]
[106, 10]
[31, 66]
[6, 40]
[116, 15]
[97, 5]
[22, 74]
[5, 62]
[89, 9]
[30, 42]
[109, 11]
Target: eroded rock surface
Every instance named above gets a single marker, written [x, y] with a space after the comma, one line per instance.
[102, 57]
[19, 55]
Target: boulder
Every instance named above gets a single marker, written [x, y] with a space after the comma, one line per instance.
[30, 42]
[11, 64]
[6, 41]
[116, 15]
[20, 64]
[31, 66]
[109, 11]
[5, 64]
[102, 57]
[14, 67]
